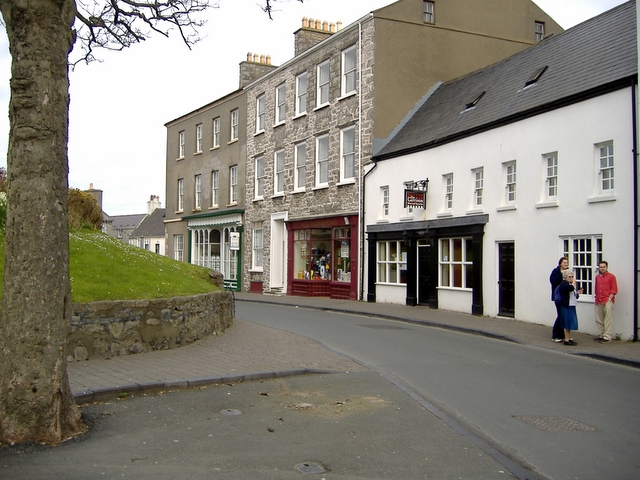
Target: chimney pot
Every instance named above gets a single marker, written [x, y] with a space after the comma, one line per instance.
[339, 25]
[262, 58]
[268, 59]
[91, 186]
[248, 56]
[305, 22]
[332, 27]
[255, 58]
[325, 26]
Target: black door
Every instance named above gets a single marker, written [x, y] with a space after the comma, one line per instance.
[506, 280]
[424, 277]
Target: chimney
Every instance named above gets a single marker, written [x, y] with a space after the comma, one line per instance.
[152, 204]
[97, 194]
[254, 67]
[313, 32]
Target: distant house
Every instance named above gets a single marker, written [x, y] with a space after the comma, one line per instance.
[498, 174]
[150, 232]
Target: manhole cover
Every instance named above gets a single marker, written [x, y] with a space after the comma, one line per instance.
[230, 411]
[384, 327]
[308, 467]
[556, 424]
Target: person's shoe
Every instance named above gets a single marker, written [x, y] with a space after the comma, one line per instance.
[557, 340]
[597, 339]
[570, 342]
[604, 340]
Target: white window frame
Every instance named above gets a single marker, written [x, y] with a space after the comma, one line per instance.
[478, 186]
[199, 138]
[261, 104]
[258, 178]
[181, 144]
[347, 154]
[300, 152]
[429, 10]
[551, 175]
[281, 105]
[181, 194]
[606, 168]
[388, 269]
[233, 184]
[178, 247]
[447, 181]
[234, 125]
[510, 179]
[450, 267]
[349, 71]
[257, 249]
[301, 94]
[322, 161]
[278, 172]
[584, 253]
[323, 82]
[197, 190]
[384, 191]
[215, 188]
[539, 31]
[216, 133]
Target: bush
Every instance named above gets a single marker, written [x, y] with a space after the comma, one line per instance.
[3, 210]
[84, 211]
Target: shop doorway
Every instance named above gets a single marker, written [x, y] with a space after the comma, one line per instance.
[424, 277]
[506, 280]
[278, 252]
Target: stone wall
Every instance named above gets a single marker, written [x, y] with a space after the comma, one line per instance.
[108, 329]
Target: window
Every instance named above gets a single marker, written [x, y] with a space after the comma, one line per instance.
[234, 125]
[448, 191]
[347, 153]
[257, 250]
[278, 172]
[584, 254]
[429, 12]
[301, 166]
[230, 257]
[510, 182]
[233, 184]
[551, 164]
[180, 194]
[198, 192]
[606, 167]
[281, 93]
[199, 138]
[181, 144]
[392, 262]
[216, 132]
[322, 161]
[260, 107]
[456, 262]
[349, 70]
[259, 177]
[539, 31]
[215, 188]
[322, 97]
[301, 93]
[322, 254]
[385, 200]
[178, 248]
[478, 186]
[206, 249]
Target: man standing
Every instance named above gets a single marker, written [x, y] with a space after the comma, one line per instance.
[605, 296]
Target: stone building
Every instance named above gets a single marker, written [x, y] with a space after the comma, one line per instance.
[314, 122]
[206, 152]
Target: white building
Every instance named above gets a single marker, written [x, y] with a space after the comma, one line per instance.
[527, 160]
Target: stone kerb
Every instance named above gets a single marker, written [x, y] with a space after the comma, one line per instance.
[116, 328]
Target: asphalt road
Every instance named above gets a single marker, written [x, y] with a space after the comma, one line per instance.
[567, 417]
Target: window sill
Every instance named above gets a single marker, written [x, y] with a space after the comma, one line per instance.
[179, 158]
[197, 153]
[279, 124]
[351, 181]
[320, 107]
[278, 195]
[261, 132]
[258, 199]
[321, 187]
[444, 215]
[298, 191]
[456, 289]
[389, 284]
[406, 218]
[475, 211]
[547, 204]
[179, 211]
[602, 198]
[214, 148]
[255, 270]
[507, 208]
[382, 220]
[348, 95]
[235, 140]
[214, 207]
[232, 204]
[300, 115]
[195, 210]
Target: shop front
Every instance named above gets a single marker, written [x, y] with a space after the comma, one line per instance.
[323, 257]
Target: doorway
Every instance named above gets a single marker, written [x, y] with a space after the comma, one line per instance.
[506, 279]
[424, 276]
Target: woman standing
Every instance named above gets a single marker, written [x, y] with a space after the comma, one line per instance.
[554, 279]
[567, 305]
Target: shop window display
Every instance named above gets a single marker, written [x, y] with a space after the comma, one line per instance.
[322, 254]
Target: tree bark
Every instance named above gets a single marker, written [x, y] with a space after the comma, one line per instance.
[35, 398]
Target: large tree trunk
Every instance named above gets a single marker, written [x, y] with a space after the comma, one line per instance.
[35, 398]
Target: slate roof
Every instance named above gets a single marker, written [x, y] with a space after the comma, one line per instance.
[152, 225]
[127, 221]
[592, 58]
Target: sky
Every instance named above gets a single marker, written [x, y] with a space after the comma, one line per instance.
[119, 106]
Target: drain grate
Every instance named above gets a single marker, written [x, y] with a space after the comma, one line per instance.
[384, 327]
[555, 424]
[230, 411]
[308, 467]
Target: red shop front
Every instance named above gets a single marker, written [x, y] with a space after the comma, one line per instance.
[323, 257]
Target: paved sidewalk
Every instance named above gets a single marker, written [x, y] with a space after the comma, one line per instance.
[248, 351]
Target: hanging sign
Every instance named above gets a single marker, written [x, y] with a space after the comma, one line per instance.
[415, 198]
[234, 240]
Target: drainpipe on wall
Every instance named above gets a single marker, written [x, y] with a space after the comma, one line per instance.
[360, 179]
[634, 109]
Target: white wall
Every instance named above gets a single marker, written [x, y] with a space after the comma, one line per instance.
[572, 132]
